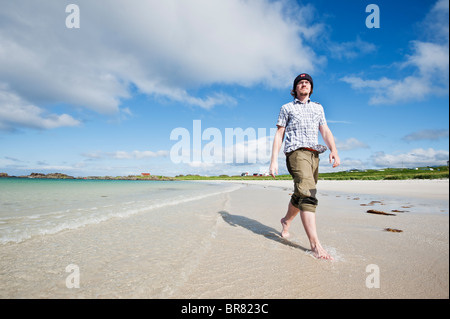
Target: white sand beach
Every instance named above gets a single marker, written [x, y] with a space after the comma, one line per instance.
[228, 246]
[437, 189]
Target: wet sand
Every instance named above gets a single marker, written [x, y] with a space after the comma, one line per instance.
[229, 246]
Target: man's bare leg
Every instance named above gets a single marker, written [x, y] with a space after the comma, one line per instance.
[309, 223]
[287, 220]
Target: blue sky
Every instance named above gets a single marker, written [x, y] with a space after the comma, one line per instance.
[104, 98]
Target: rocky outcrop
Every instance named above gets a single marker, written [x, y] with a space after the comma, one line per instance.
[50, 176]
[131, 178]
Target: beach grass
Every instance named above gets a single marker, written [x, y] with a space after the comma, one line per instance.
[439, 172]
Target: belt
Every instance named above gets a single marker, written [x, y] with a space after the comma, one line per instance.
[308, 149]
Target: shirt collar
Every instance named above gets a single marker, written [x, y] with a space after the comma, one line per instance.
[298, 101]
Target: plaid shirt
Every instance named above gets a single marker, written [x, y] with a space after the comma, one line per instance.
[302, 121]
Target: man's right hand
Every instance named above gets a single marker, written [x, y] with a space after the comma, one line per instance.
[273, 169]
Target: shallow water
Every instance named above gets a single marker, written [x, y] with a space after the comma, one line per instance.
[31, 207]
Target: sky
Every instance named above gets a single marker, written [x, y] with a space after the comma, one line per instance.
[114, 88]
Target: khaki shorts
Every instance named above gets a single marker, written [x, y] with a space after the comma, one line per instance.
[303, 165]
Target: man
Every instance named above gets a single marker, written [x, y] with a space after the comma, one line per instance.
[300, 121]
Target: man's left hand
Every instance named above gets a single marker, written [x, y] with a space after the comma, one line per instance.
[335, 157]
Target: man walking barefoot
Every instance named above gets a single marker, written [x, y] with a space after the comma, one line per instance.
[300, 121]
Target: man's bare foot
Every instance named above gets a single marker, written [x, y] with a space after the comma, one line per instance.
[285, 231]
[320, 253]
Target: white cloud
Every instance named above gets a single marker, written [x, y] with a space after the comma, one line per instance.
[164, 49]
[426, 135]
[430, 58]
[415, 157]
[351, 49]
[346, 164]
[435, 25]
[233, 146]
[136, 155]
[121, 155]
[93, 155]
[16, 112]
[202, 165]
[388, 91]
[429, 61]
[149, 154]
[253, 151]
[350, 144]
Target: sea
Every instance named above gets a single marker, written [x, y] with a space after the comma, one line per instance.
[35, 207]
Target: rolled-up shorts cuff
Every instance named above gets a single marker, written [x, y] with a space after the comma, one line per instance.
[294, 203]
[303, 206]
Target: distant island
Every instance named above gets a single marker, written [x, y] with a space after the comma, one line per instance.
[428, 172]
[65, 176]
